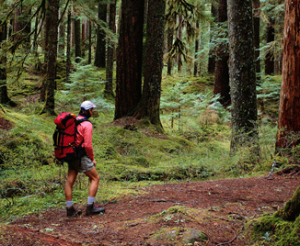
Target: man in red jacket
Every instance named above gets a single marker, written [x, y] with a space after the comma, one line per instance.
[85, 164]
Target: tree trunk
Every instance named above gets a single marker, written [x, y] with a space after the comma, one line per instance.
[101, 43]
[26, 14]
[108, 91]
[3, 88]
[78, 54]
[212, 55]
[242, 74]
[196, 51]
[46, 47]
[17, 24]
[62, 29]
[221, 71]
[291, 209]
[256, 22]
[170, 34]
[269, 62]
[49, 105]
[90, 43]
[179, 62]
[289, 106]
[129, 58]
[68, 65]
[38, 64]
[150, 102]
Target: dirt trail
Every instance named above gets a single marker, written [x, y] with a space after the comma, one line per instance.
[170, 214]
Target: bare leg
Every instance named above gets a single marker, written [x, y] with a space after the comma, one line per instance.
[94, 178]
[72, 174]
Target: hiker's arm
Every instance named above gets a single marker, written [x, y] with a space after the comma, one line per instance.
[88, 141]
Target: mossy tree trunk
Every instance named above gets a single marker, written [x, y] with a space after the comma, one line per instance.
[196, 51]
[170, 33]
[129, 58]
[62, 30]
[221, 71]
[150, 102]
[212, 56]
[68, 63]
[3, 88]
[291, 210]
[289, 106]
[256, 22]
[269, 60]
[108, 91]
[100, 55]
[179, 35]
[52, 11]
[78, 53]
[242, 75]
[90, 43]
[17, 23]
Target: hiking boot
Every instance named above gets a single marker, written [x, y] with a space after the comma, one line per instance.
[94, 209]
[72, 211]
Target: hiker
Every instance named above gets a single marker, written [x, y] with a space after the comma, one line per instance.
[84, 164]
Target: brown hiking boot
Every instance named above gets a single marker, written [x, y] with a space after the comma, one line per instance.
[72, 211]
[94, 209]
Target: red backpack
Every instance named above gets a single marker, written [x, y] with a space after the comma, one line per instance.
[64, 137]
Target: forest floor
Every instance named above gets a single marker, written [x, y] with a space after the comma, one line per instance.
[168, 214]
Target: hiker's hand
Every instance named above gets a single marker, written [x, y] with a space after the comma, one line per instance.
[94, 162]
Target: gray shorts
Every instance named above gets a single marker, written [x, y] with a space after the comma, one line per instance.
[85, 166]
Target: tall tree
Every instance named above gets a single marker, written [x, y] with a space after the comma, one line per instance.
[269, 59]
[62, 30]
[196, 51]
[129, 58]
[3, 88]
[256, 22]
[289, 106]
[68, 63]
[150, 102]
[101, 43]
[212, 57]
[170, 33]
[110, 52]
[242, 74]
[78, 53]
[222, 56]
[52, 11]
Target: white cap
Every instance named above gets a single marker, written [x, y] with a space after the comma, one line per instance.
[86, 105]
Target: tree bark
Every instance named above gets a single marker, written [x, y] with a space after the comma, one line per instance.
[212, 55]
[221, 68]
[179, 62]
[256, 21]
[150, 102]
[3, 88]
[68, 63]
[17, 23]
[196, 51]
[289, 106]
[101, 43]
[170, 33]
[90, 43]
[129, 58]
[49, 106]
[62, 29]
[269, 60]
[108, 91]
[78, 53]
[242, 75]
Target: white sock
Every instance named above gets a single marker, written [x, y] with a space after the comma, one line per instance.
[91, 200]
[69, 203]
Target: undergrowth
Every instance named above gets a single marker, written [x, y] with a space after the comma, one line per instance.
[195, 144]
